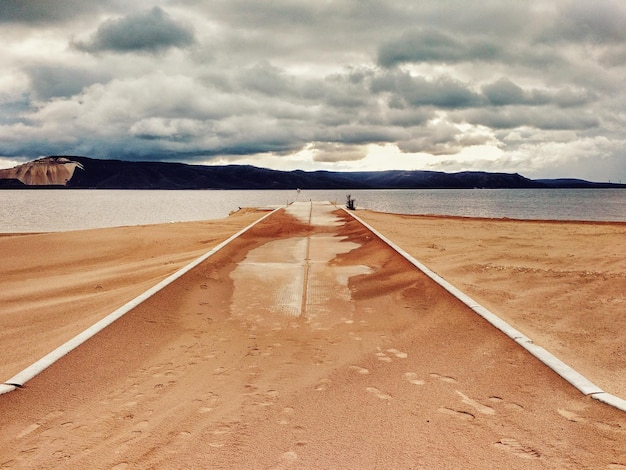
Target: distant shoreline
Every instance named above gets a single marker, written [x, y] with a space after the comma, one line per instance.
[77, 172]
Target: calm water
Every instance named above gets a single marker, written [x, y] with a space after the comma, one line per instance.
[60, 210]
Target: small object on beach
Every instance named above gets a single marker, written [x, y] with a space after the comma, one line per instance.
[350, 202]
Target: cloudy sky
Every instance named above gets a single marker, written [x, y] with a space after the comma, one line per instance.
[534, 87]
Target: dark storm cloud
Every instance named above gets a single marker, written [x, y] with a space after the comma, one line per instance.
[313, 32]
[53, 82]
[327, 20]
[408, 117]
[266, 79]
[444, 92]
[593, 22]
[440, 139]
[41, 11]
[615, 57]
[440, 47]
[431, 45]
[359, 134]
[539, 118]
[504, 92]
[150, 31]
[15, 111]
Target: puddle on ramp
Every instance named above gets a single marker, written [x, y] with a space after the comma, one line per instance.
[277, 280]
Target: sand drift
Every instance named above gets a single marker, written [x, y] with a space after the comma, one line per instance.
[305, 341]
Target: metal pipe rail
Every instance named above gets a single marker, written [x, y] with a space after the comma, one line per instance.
[18, 380]
[580, 382]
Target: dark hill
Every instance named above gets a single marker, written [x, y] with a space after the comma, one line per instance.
[11, 183]
[92, 173]
[571, 183]
[117, 174]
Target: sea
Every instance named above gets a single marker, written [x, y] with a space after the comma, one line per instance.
[27, 211]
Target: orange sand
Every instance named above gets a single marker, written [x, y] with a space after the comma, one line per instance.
[412, 379]
[563, 284]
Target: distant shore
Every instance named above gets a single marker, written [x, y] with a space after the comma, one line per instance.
[79, 172]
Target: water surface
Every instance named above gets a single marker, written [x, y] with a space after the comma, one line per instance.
[60, 210]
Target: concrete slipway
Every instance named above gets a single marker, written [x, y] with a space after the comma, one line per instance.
[303, 285]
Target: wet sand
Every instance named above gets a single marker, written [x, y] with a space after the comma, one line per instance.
[402, 376]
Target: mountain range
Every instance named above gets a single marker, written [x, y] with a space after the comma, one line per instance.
[79, 172]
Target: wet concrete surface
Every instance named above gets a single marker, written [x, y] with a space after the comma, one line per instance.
[295, 277]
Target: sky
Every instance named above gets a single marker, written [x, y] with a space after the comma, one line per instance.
[529, 87]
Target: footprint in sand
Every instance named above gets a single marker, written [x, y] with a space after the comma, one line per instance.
[53, 415]
[383, 357]
[412, 377]
[464, 415]
[286, 460]
[290, 456]
[299, 429]
[360, 370]
[221, 430]
[250, 389]
[270, 397]
[378, 393]
[285, 415]
[28, 430]
[141, 426]
[571, 416]
[443, 378]
[398, 354]
[220, 371]
[29, 451]
[323, 385]
[486, 410]
[513, 446]
[509, 405]
[514, 406]
[610, 427]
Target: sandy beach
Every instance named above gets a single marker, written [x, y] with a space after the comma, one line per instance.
[563, 284]
[54, 285]
[407, 377]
